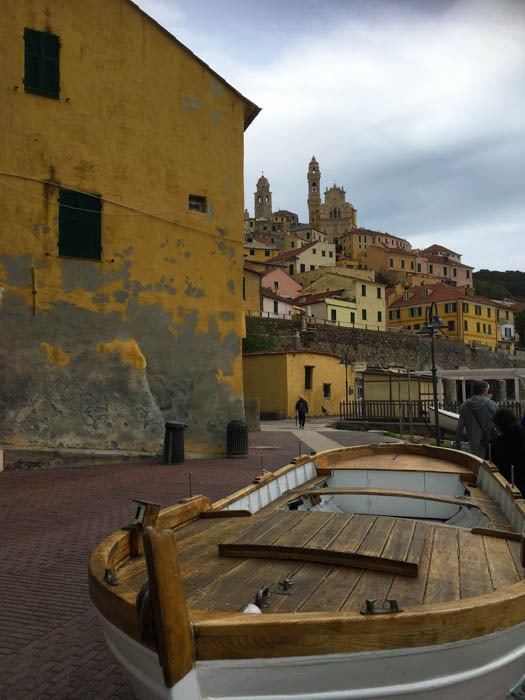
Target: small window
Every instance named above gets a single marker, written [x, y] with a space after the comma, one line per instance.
[196, 203]
[266, 253]
[303, 268]
[363, 314]
[379, 292]
[379, 316]
[308, 376]
[79, 225]
[465, 325]
[41, 76]
[276, 307]
[330, 254]
[391, 262]
[450, 325]
[312, 267]
[333, 314]
[363, 290]
[327, 391]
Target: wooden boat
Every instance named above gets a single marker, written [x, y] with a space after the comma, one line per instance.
[448, 420]
[385, 571]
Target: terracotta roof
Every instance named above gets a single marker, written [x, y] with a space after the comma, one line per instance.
[294, 252]
[313, 298]
[442, 260]
[439, 292]
[435, 246]
[251, 268]
[270, 294]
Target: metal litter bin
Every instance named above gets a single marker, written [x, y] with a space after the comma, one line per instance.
[237, 438]
[174, 442]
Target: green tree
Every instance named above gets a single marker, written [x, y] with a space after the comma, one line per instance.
[257, 340]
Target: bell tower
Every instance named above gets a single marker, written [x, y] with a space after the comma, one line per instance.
[263, 199]
[314, 191]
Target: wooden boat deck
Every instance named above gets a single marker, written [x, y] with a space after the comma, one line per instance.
[227, 583]
[336, 562]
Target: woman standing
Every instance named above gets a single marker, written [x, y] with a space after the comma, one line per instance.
[507, 449]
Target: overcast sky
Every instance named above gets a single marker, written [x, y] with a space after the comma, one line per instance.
[415, 107]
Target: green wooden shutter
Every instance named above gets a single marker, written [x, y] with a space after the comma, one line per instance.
[79, 225]
[42, 75]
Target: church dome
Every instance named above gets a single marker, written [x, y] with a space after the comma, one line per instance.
[262, 181]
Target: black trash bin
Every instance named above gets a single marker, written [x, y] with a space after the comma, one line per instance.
[237, 438]
[174, 442]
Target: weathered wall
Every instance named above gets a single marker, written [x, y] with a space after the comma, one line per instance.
[99, 353]
[377, 348]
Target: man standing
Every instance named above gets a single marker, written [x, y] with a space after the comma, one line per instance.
[301, 409]
[475, 417]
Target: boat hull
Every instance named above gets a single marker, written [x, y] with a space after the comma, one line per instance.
[484, 668]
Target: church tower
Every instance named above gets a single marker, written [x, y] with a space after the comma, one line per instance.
[263, 199]
[314, 191]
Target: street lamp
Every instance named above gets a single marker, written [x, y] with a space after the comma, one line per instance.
[432, 324]
[345, 360]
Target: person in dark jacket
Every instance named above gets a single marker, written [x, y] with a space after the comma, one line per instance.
[475, 417]
[507, 449]
[301, 409]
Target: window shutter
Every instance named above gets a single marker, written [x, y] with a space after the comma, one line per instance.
[79, 224]
[42, 63]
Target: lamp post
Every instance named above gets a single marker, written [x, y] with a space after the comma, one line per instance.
[432, 324]
[345, 360]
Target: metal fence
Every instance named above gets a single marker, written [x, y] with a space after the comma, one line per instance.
[405, 411]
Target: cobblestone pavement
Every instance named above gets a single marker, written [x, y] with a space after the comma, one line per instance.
[51, 645]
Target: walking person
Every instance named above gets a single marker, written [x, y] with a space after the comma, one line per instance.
[507, 449]
[301, 409]
[475, 417]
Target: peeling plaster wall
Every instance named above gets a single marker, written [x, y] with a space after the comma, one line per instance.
[99, 354]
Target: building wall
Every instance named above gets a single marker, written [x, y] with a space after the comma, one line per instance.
[252, 293]
[468, 320]
[286, 286]
[265, 378]
[278, 379]
[99, 353]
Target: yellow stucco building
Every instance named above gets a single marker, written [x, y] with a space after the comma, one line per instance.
[279, 378]
[473, 320]
[121, 237]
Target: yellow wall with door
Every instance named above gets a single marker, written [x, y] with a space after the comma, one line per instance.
[278, 379]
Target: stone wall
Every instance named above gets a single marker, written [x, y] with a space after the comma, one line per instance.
[377, 348]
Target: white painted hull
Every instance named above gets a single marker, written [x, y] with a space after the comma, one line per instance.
[447, 419]
[485, 668]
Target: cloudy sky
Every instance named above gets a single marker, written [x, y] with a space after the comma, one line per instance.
[415, 107]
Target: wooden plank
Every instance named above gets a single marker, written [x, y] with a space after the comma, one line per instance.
[268, 527]
[225, 514]
[473, 566]
[411, 591]
[329, 557]
[272, 636]
[427, 496]
[170, 613]
[332, 591]
[503, 534]
[233, 589]
[373, 543]
[502, 568]
[443, 574]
